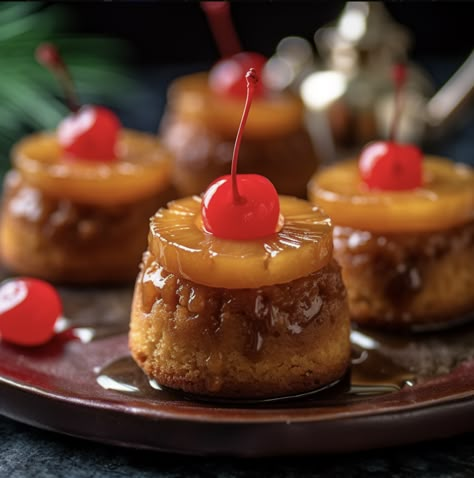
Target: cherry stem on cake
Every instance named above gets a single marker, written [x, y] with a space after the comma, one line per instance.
[252, 79]
[387, 165]
[254, 211]
[222, 27]
[399, 74]
[48, 56]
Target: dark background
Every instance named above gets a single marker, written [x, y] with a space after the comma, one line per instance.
[168, 32]
[162, 40]
[168, 39]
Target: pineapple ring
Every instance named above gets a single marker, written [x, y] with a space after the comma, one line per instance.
[142, 169]
[302, 246]
[445, 200]
[271, 116]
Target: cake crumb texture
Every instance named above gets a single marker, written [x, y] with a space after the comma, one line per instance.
[272, 341]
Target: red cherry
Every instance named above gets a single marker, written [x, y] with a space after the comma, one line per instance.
[256, 215]
[91, 134]
[388, 165]
[29, 309]
[241, 206]
[227, 77]
[391, 166]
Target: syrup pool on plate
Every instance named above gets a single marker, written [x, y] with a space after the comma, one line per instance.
[372, 373]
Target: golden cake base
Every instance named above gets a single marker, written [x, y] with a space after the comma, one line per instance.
[240, 343]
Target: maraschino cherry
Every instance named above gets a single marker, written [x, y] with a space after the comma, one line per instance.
[227, 77]
[29, 309]
[388, 165]
[241, 206]
[90, 132]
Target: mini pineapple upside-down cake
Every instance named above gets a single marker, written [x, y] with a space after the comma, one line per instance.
[403, 235]
[407, 257]
[238, 294]
[77, 203]
[204, 111]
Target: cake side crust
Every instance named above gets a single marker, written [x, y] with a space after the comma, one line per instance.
[274, 341]
[406, 279]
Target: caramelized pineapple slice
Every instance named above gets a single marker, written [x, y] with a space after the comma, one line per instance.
[142, 169]
[269, 116]
[445, 200]
[302, 246]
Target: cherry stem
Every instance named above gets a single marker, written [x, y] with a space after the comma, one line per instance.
[48, 56]
[222, 27]
[251, 79]
[399, 75]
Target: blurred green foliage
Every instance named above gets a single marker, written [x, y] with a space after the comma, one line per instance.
[30, 98]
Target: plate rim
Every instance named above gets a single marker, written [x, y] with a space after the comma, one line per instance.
[369, 427]
[260, 415]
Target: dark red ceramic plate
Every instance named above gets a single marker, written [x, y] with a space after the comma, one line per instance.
[402, 389]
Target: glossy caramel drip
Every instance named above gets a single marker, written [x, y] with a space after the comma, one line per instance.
[74, 224]
[382, 363]
[373, 372]
[398, 267]
[215, 364]
[300, 247]
[444, 201]
[286, 309]
[142, 169]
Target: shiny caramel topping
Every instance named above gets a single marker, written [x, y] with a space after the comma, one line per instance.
[142, 169]
[302, 246]
[445, 200]
[72, 225]
[279, 310]
[192, 99]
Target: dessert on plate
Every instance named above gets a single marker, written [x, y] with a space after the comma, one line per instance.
[238, 294]
[203, 113]
[77, 202]
[403, 234]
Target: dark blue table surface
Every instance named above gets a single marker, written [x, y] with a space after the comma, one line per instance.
[28, 452]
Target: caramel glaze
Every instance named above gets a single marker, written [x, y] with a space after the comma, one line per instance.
[202, 155]
[382, 363]
[270, 341]
[399, 269]
[371, 374]
[265, 311]
[36, 226]
[67, 222]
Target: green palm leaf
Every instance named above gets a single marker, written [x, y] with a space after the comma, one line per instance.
[30, 99]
